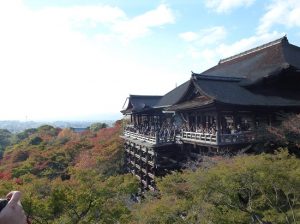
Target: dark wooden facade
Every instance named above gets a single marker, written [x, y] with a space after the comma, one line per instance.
[218, 110]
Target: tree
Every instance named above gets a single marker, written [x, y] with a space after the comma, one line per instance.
[245, 189]
[287, 135]
[5, 140]
[97, 126]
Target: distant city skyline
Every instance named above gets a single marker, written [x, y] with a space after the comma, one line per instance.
[79, 60]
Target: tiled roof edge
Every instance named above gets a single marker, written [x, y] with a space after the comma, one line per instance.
[272, 43]
[144, 96]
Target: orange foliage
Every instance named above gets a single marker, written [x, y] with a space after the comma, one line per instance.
[61, 150]
[105, 143]
[68, 133]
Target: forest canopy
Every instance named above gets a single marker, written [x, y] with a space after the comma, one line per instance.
[69, 177]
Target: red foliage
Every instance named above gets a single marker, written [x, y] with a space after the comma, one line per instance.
[5, 175]
[105, 144]
[18, 181]
[86, 160]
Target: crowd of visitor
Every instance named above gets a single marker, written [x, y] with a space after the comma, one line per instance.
[235, 129]
[169, 130]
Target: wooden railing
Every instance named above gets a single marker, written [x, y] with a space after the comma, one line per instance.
[147, 138]
[141, 137]
[219, 139]
[199, 137]
[206, 138]
[237, 138]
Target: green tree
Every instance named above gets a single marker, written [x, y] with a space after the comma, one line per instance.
[97, 126]
[245, 189]
[5, 140]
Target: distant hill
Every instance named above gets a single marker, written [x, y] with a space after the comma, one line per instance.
[15, 126]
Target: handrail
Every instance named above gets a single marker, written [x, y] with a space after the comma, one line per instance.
[207, 138]
[147, 138]
[235, 138]
[219, 139]
[200, 137]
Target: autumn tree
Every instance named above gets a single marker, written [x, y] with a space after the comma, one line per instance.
[97, 126]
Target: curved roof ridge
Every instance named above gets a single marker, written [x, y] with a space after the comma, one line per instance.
[173, 96]
[218, 78]
[144, 96]
[261, 47]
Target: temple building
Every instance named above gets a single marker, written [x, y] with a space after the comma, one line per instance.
[216, 111]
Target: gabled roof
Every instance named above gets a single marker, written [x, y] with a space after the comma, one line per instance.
[174, 95]
[259, 62]
[231, 92]
[139, 103]
[227, 82]
[191, 104]
[237, 80]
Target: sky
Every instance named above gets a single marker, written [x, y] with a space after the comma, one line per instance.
[80, 59]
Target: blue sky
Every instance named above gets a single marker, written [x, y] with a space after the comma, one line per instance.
[80, 59]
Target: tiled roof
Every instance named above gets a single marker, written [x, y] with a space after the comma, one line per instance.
[138, 103]
[258, 62]
[235, 94]
[173, 96]
[237, 80]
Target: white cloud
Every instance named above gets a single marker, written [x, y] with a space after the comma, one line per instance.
[201, 45]
[225, 6]
[227, 50]
[208, 36]
[207, 57]
[283, 12]
[141, 25]
[50, 67]
[189, 36]
[84, 16]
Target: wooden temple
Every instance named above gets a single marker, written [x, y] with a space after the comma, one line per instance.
[216, 111]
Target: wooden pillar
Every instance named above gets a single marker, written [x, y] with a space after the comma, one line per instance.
[218, 122]
[234, 118]
[218, 127]
[270, 120]
[136, 121]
